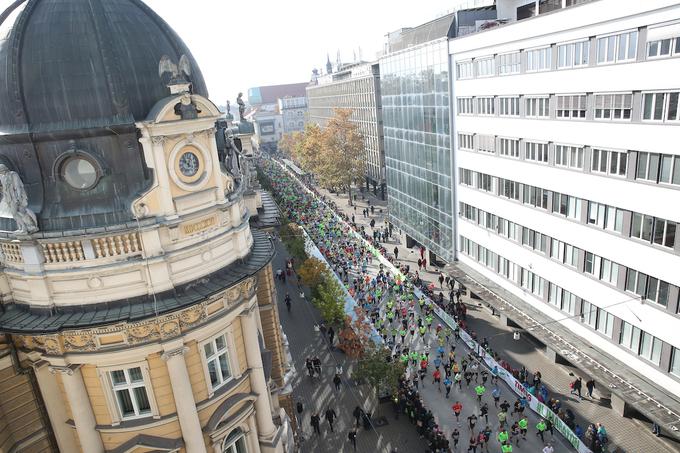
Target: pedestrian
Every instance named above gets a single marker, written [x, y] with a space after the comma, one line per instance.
[550, 427]
[330, 417]
[480, 390]
[287, 300]
[441, 280]
[352, 436]
[548, 448]
[396, 252]
[457, 408]
[472, 447]
[523, 424]
[590, 385]
[337, 381]
[496, 393]
[472, 421]
[331, 335]
[315, 420]
[310, 366]
[357, 413]
[576, 387]
[502, 416]
[455, 435]
[447, 386]
[506, 447]
[503, 436]
[656, 429]
[317, 365]
[484, 411]
[540, 428]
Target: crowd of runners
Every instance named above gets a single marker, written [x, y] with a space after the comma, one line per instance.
[432, 353]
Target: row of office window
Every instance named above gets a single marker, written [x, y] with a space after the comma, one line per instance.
[619, 47]
[654, 107]
[130, 387]
[630, 337]
[603, 269]
[649, 167]
[649, 229]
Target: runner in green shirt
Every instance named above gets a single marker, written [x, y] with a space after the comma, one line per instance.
[523, 425]
[480, 390]
[503, 437]
[506, 448]
[541, 427]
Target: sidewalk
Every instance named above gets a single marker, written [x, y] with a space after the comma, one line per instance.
[318, 394]
[629, 435]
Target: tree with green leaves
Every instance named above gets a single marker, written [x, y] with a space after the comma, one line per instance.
[294, 240]
[379, 370]
[330, 302]
[313, 273]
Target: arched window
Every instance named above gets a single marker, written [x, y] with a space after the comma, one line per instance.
[235, 442]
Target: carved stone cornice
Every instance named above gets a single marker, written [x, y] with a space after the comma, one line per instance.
[167, 355]
[67, 369]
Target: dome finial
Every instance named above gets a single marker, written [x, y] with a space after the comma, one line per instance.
[180, 80]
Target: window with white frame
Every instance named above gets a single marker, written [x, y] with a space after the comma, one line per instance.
[532, 282]
[663, 41]
[539, 59]
[653, 229]
[465, 106]
[508, 147]
[609, 162]
[607, 217]
[216, 355]
[568, 156]
[658, 168]
[566, 205]
[571, 106]
[508, 189]
[466, 177]
[464, 70]
[562, 299]
[537, 152]
[485, 106]
[486, 143]
[537, 107]
[568, 254]
[609, 271]
[660, 106]
[573, 54]
[466, 141]
[589, 313]
[605, 322]
[486, 67]
[647, 287]
[536, 196]
[235, 442]
[485, 182]
[535, 240]
[617, 48]
[675, 362]
[509, 63]
[129, 389]
[613, 106]
[640, 342]
[508, 106]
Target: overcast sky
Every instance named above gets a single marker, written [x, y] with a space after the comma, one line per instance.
[247, 43]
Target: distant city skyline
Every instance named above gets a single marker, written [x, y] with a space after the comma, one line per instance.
[274, 42]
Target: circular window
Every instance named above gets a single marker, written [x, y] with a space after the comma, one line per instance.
[79, 173]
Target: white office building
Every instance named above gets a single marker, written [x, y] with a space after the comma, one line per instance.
[567, 128]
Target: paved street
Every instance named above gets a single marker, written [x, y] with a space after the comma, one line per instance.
[319, 394]
[629, 435]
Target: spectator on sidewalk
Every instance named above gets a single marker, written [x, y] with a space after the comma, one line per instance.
[330, 417]
[314, 421]
[590, 385]
[352, 436]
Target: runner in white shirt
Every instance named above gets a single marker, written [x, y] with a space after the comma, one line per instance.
[548, 448]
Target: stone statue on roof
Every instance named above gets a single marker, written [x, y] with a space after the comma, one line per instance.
[241, 107]
[15, 201]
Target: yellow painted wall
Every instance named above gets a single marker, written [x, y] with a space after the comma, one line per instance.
[196, 374]
[162, 389]
[240, 345]
[95, 391]
[168, 430]
[204, 415]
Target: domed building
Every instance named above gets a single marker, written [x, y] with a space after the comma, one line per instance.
[137, 305]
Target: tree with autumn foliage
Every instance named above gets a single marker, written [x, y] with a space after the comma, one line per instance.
[354, 337]
[307, 148]
[313, 272]
[290, 141]
[343, 153]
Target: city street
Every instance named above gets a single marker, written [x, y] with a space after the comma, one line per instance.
[441, 407]
[627, 434]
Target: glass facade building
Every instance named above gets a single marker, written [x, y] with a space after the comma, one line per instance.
[418, 156]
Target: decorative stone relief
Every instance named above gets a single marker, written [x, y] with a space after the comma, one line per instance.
[192, 316]
[170, 328]
[142, 333]
[79, 342]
